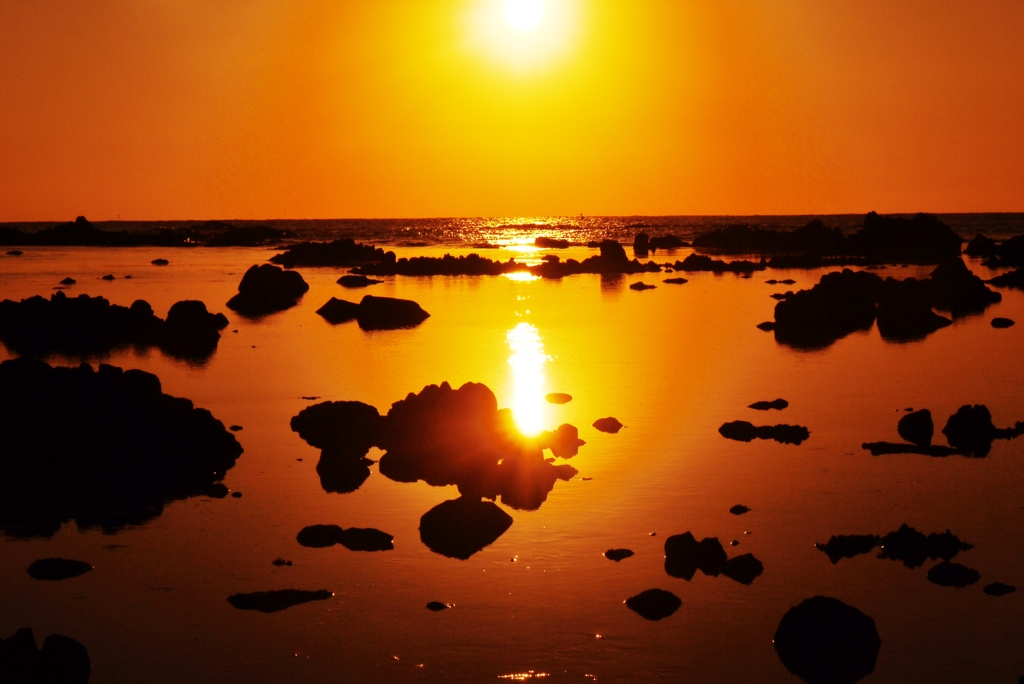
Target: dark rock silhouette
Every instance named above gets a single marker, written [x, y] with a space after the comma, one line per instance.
[955, 289]
[344, 431]
[766, 326]
[970, 430]
[675, 281]
[281, 562]
[841, 303]
[352, 538]
[742, 431]
[357, 281]
[684, 555]
[551, 243]
[906, 545]
[265, 289]
[848, 545]
[743, 569]
[617, 554]
[739, 509]
[1003, 323]
[344, 252]
[160, 262]
[981, 246]
[641, 244]
[274, 601]
[564, 441]
[610, 425]
[461, 527]
[904, 310]
[813, 238]
[948, 574]
[825, 641]
[889, 448]
[68, 281]
[14, 252]
[641, 286]
[55, 569]
[700, 262]
[437, 606]
[105, 448]
[85, 326]
[558, 398]
[109, 276]
[654, 604]
[319, 536]
[1006, 253]
[337, 311]
[917, 427]
[1012, 279]
[666, 242]
[62, 660]
[388, 313]
[999, 589]
[777, 404]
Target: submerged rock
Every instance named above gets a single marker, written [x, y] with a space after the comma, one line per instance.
[948, 574]
[641, 286]
[388, 313]
[55, 569]
[617, 554]
[437, 606]
[1002, 323]
[698, 263]
[160, 262]
[357, 281]
[319, 536]
[742, 431]
[999, 589]
[461, 527]
[105, 448]
[337, 311]
[848, 545]
[888, 448]
[274, 601]
[825, 641]
[917, 427]
[654, 604]
[62, 660]
[743, 569]
[265, 289]
[777, 404]
[739, 509]
[558, 398]
[68, 281]
[684, 555]
[675, 281]
[609, 425]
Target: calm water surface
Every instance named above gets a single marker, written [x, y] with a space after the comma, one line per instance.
[672, 364]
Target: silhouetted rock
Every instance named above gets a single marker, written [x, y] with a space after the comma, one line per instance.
[345, 252]
[1014, 279]
[922, 240]
[365, 539]
[54, 569]
[387, 313]
[558, 398]
[1002, 323]
[825, 641]
[841, 303]
[905, 310]
[62, 660]
[699, 262]
[743, 569]
[641, 286]
[970, 430]
[742, 431]
[684, 555]
[675, 281]
[654, 604]
[109, 276]
[610, 425]
[999, 589]
[617, 554]
[190, 331]
[265, 289]
[68, 281]
[105, 448]
[955, 289]
[917, 427]
[437, 606]
[160, 262]
[814, 238]
[357, 281]
[913, 548]
[641, 244]
[551, 243]
[666, 242]
[739, 509]
[848, 545]
[889, 448]
[777, 404]
[14, 252]
[319, 536]
[461, 527]
[281, 562]
[274, 601]
[337, 311]
[981, 246]
[952, 575]
[564, 441]
[766, 326]
[1006, 253]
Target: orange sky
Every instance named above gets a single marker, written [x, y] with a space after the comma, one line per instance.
[165, 109]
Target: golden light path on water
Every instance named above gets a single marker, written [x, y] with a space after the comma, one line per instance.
[527, 362]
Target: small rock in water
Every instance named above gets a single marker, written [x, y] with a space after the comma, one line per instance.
[767, 326]
[128, 277]
[357, 281]
[273, 601]
[236, 495]
[743, 569]
[15, 252]
[281, 562]
[216, 491]
[558, 398]
[1002, 322]
[68, 281]
[437, 606]
[676, 281]
[917, 427]
[948, 574]
[739, 509]
[640, 286]
[777, 404]
[734, 542]
[654, 604]
[823, 640]
[109, 276]
[160, 262]
[617, 554]
[609, 425]
[742, 431]
[54, 569]
[319, 536]
[999, 589]
[235, 428]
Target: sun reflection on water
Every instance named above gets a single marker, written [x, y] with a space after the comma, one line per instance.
[527, 361]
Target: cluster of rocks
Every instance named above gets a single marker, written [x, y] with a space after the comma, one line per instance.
[644, 243]
[82, 233]
[86, 326]
[684, 556]
[62, 660]
[1006, 253]
[923, 239]
[102, 447]
[743, 431]
[277, 600]
[374, 313]
[969, 432]
[848, 301]
[442, 436]
[345, 252]
[352, 538]
[265, 289]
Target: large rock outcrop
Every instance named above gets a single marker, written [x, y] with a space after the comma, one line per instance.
[265, 289]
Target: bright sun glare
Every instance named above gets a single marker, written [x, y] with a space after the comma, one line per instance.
[524, 15]
[527, 361]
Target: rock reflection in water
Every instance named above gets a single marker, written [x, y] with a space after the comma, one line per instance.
[825, 641]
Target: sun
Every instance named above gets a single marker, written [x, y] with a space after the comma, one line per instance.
[523, 15]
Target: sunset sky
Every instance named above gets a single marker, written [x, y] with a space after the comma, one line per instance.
[176, 109]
